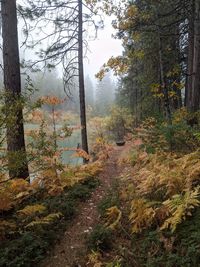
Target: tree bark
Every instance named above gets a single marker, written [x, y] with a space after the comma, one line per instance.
[12, 83]
[81, 80]
[193, 81]
[177, 101]
[190, 74]
[163, 85]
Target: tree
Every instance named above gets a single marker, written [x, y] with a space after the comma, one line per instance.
[105, 93]
[12, 83]
[81, 79]
[66, 42]
[89, 92]
[193, 79]
[153, 65]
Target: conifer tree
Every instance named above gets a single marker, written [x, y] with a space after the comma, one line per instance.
[12, 83]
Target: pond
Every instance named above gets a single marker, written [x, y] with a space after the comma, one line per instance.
[69, 142]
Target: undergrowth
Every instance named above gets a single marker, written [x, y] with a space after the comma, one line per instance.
[155, 221]
[28, 244]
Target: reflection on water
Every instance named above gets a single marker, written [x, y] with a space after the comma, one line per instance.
[69, 142]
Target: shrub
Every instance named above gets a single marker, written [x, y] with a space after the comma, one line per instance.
[100, 238]
[62, 204]
[26, 251]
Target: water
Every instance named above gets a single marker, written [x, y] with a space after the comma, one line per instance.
[69, 142]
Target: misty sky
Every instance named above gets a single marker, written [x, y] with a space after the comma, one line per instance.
[102, 49]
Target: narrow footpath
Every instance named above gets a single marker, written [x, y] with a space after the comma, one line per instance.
[71, 250]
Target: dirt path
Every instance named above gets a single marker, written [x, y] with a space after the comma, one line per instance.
[71, 250]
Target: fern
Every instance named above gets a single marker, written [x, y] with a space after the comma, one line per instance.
[45, 220]
[7, 227]
[6, 200]
[180, 206]
[32, 210]
[113, 217]
[142, 215]
[94, 259]
[17, 186]
[114, 264]
[167, 174]
[13, 192]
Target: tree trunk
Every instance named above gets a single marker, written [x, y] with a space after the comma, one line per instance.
[12, 82]
[193, 81]
[136, 96]
[81, 80]
[177, 101]
[163, 85]
[190, 74]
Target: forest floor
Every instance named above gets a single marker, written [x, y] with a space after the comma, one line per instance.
[71, 251]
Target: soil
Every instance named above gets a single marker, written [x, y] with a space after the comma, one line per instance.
[71, 250]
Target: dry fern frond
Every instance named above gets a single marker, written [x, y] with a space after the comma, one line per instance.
[6, 200]
[18, 185]
[20, 196]
[7, 225]
[32, 210]
[179, 207]
[56, 190]
[147, 182]
[142, 215]
[125, 160]
[45, 220]
[80, 153]
[94, 258]
[91, 169]
[113, 217]
[167, 173]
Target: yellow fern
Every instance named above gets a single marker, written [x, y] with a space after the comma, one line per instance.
[179, 207]
[142, 215]
[168, 173]
[12, 192]
[6, 200]
[94, 258]
[18, 185]
[113, 217]
[45, 220]
[32, 210]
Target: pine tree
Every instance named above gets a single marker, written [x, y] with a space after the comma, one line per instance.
[12, 83]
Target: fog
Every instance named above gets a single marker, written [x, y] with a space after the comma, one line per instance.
[99, 50]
